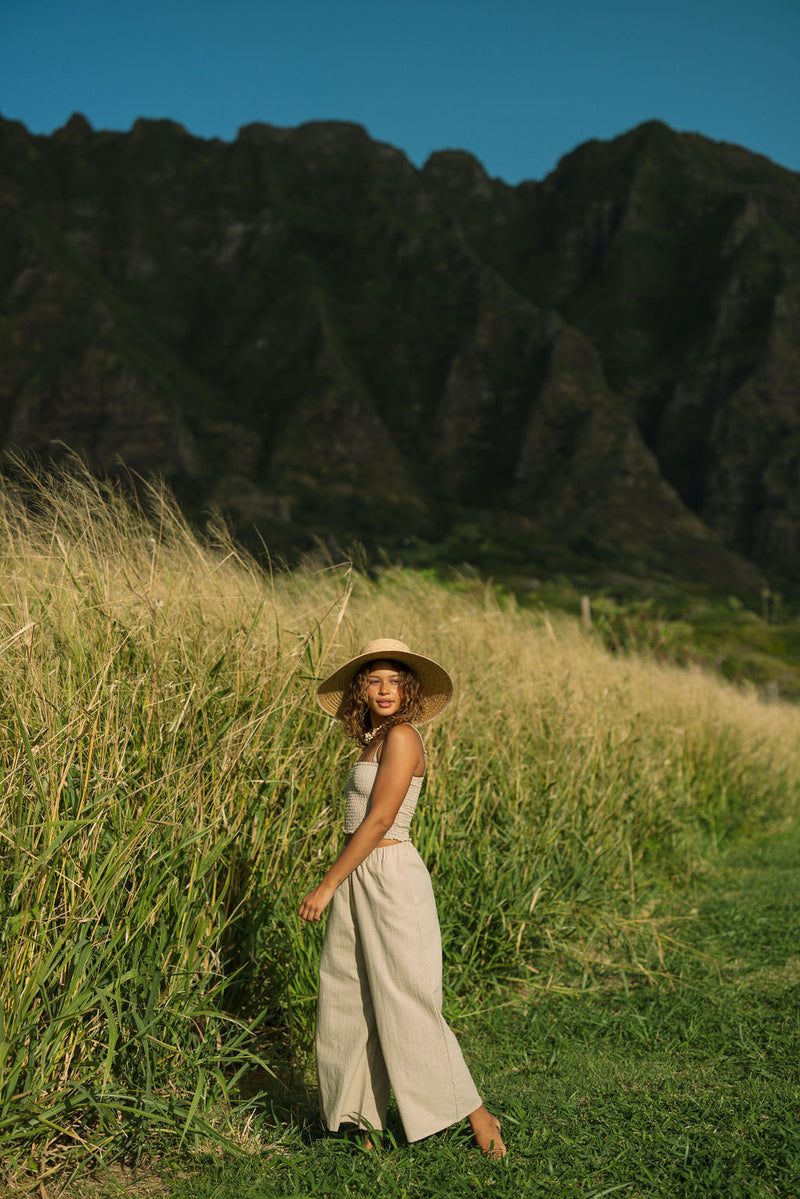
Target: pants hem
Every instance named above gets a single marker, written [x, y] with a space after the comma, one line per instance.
[419, 1136]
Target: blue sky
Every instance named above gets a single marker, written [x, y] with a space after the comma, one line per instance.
[517, 84]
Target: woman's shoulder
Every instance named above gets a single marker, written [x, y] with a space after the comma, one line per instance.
[405, 735]
[405, 747]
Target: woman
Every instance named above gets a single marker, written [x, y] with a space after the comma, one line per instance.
[379, 1018]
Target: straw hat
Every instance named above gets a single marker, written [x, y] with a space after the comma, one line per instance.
[436, 686]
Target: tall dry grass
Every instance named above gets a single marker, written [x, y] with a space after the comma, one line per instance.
[169, 790]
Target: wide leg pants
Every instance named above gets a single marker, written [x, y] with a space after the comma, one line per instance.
[379, 1015]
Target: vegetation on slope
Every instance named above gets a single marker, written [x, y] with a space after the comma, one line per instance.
[596, 372]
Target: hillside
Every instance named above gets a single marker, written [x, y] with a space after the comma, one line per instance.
[300, 328]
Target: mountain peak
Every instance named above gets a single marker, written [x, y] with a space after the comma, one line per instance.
[76, 129]
[459, 171]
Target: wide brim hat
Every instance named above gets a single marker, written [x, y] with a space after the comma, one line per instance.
[436, 686]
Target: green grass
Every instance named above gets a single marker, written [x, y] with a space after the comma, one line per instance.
[748, 647]
[690, 1087]
[169, 790]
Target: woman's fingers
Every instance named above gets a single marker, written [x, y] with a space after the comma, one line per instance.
[315, 903]
[310, 909]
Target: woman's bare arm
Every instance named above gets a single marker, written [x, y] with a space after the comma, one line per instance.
[399, 761]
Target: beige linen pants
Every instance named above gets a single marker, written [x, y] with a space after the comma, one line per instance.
[379, 1015]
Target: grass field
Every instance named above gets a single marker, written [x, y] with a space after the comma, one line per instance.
[687, 1088]
[169, 790]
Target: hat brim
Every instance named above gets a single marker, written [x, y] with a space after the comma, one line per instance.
[435, 683]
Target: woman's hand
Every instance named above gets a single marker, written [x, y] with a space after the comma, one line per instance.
[315, 903]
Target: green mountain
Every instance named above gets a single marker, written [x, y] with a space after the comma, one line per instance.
[302, 329]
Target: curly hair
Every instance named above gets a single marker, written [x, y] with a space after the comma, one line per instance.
[355, 712]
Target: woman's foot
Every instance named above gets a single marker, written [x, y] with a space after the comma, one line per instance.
[486, 1130]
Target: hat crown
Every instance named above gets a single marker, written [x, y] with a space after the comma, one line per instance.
[384, 645]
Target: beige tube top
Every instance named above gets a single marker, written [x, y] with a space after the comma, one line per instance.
[357, 791]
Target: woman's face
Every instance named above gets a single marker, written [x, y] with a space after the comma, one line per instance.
[384, 691]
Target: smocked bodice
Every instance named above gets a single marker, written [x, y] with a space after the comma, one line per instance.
[357, 791]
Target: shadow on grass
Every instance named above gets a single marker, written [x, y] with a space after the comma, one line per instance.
[288, 1099]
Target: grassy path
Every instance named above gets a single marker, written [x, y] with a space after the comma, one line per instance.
[685, 1090]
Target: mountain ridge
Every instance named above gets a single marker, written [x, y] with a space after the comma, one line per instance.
[305, 330]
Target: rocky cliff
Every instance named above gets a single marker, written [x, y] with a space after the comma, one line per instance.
[306, 331]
